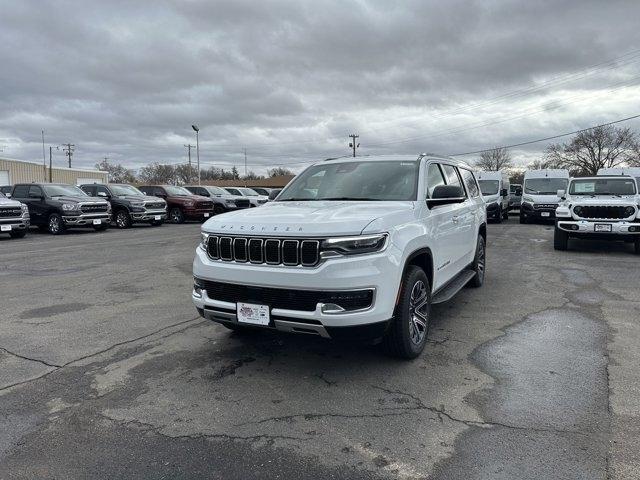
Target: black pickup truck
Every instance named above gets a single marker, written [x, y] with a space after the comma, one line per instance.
[128, 204]
[54, 207]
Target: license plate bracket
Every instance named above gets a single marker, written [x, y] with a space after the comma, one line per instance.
[97, 221]
[5, 228]
[253, 314]
[602, 227]
[545, 214]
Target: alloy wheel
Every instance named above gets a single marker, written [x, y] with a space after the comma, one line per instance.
[54, 224]
[121, 219]
[481, 263]
[418, 313]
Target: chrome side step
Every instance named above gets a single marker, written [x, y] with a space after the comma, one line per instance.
[448, 291]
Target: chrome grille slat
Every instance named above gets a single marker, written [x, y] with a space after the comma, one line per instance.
[270, 251]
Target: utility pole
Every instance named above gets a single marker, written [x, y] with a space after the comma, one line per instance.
[50, 164]
[44, 160]
[245, 163]
[353, 144]
[68, 151]
[189, 147]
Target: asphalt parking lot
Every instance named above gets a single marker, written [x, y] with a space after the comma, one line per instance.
[106, 371]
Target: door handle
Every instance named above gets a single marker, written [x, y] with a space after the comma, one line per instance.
[455, 218]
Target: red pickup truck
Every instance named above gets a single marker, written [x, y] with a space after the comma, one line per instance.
[181, 203]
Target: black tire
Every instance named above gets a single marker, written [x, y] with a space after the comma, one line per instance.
[122, 219]
[218, 209]
[17, 233]
[156, 223]
[505, 214]
[560, 239]
[523, 218]
[176, 215]
[55, 225]
[499, 217]
[479, 264]
[406, 337]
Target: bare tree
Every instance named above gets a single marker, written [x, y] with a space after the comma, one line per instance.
[117, 173]
[494, 160]
[157, 173]
[600, 147]
[279, 171]
[252, 176]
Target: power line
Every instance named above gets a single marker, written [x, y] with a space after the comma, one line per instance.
[68, 151]
[546, 138]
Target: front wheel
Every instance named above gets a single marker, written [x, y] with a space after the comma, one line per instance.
[218, 209]
[407, 334]
[176, 215]
[499, 217]
[479, 264]
[560, 239]
[123, 219]
[523, 218]
[55, 225]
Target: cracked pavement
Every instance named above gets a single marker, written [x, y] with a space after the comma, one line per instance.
[106, 371]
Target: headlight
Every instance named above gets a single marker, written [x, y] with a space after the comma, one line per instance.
[24, 208]
[189, 204]
[354, 245]
[70, 207]
[108, 208]
[629, 211]
[229, 202]
[204, 241]
[527, 199]
[577, 210]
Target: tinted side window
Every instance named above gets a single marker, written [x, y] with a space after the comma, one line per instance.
[470, 182]
[101, 188]
[451, 175]
[434, 178]
[158, 191]
[35, 191]
[89, 190]
[20, 191]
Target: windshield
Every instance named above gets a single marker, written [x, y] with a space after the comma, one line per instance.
[124, 190]
[489, 187]
[603, 186]
[545, 186]
[177, 191]
[62, 190]
[216, 191]
[357, 180]
[233, 191]
[248, 192]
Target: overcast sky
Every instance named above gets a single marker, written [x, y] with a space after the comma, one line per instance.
[290, 80]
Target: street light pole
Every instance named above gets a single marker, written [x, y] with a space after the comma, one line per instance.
[197, 130]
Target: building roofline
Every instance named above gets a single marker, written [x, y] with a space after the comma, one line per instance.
[7, 159]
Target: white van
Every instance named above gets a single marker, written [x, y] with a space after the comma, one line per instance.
[540, 193]
[629, 171]
[495, 191]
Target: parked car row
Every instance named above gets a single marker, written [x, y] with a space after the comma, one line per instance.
[57, 207]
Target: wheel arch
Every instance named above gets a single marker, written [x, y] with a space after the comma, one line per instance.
[422, 258]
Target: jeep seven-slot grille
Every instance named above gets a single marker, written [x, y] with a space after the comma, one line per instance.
[272, 251]
[10, 212]
[301, 300]
[93, 208]
[602, 212]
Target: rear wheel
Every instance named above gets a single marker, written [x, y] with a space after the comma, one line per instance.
[523, 218]
[479, 263]
[560, 239]
[176, 215]
[18, 233]
[407, 334]
[55, 225]
[123, 219]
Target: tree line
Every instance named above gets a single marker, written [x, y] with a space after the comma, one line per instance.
[163, 173]
[583, 155]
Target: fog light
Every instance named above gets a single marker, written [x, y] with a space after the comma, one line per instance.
[574, 227]
[198, 286]
[633, 229]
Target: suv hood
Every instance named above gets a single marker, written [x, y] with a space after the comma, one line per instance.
[315, 218]
[7, 202]
[547, 198]
[599, 200]
[140, 198]
[78, 199]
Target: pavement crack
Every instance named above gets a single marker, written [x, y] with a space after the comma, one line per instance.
[31, 359]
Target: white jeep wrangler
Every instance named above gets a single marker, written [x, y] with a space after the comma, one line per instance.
[602, 207]
[353, 248]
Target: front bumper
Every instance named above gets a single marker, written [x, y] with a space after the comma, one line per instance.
[379, 272]
[198, 213]
[590, 228]
[15, 223]
[538, 212]
[86, 220]
[149, 215]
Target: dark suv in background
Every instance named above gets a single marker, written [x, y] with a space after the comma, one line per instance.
[54, 207]
[223, 201]
[181, 203]
[128, 204]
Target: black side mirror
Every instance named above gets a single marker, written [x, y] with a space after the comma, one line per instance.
[504, 192]
[445, 195]
[519, 192]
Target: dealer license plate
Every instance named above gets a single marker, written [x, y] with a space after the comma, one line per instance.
[97, 221]
[206, 215]
[5, 228]
[157, 217]
[603, 227]
[545, 214]
[253, 314]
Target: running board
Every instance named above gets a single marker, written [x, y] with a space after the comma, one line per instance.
[447, 292]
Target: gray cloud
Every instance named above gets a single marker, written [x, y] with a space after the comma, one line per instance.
[289, 80]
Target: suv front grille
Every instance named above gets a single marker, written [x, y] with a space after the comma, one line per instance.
[93, 208]
[242, 203]
[288, 299]
[153, 206]
[545, 206]
[602, 212]
[208, 205]
[272, 251]
[10, 212]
